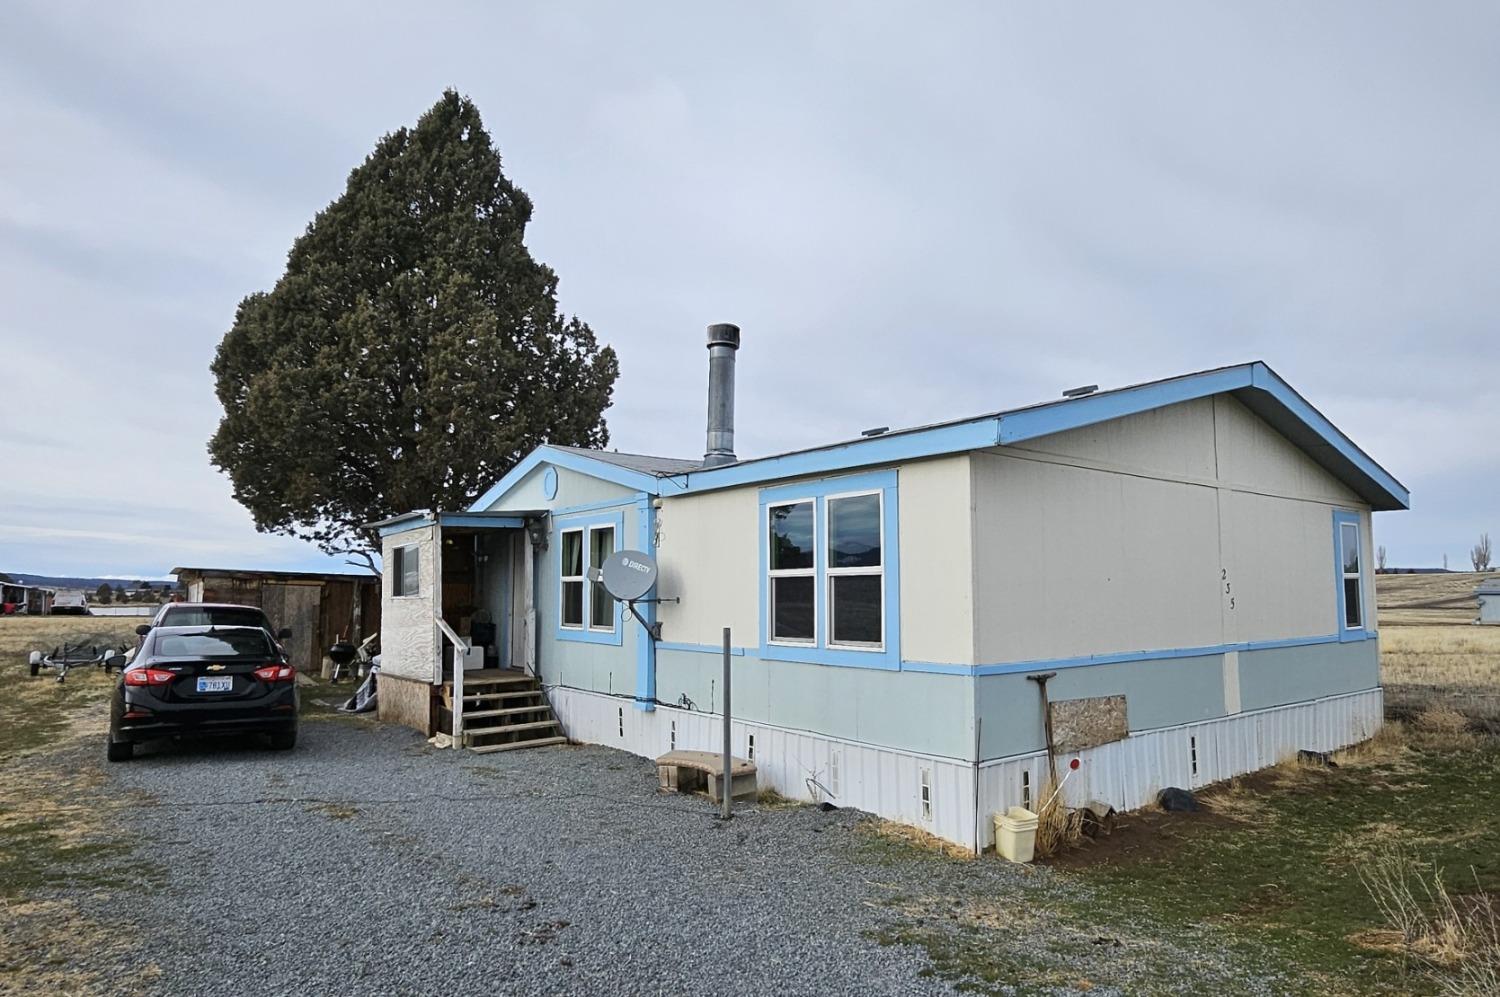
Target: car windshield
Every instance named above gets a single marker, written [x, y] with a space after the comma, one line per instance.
[214, 616]
[214, 644]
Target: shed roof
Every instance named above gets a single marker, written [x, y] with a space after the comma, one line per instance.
[1254, 384]
[362, 577]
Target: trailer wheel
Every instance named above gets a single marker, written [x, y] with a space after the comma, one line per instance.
[36, 669]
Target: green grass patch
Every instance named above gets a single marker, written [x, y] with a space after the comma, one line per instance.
[1285, 876]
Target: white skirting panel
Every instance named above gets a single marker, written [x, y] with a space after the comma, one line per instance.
[797, 764]
[1128, 774]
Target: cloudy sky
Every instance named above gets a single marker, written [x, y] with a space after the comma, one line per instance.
[914, 213]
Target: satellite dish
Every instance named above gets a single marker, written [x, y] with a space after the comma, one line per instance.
[628, 574]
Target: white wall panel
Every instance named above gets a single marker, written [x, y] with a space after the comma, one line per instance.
[794, 763]
[1128, 774]
[408, 628]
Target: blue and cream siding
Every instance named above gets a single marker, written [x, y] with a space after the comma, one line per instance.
[1187, 559]
[1176, 544]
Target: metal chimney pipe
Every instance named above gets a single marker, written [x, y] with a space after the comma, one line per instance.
[723, 342]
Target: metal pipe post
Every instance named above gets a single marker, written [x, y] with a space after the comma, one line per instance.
[727, 785]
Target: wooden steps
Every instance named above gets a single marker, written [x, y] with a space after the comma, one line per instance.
[503, 711]
[540, 742]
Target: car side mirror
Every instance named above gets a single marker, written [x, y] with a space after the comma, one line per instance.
[143, 629]
[285, 633]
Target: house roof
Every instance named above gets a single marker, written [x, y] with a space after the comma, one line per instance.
[659, 466]
[1254, 384]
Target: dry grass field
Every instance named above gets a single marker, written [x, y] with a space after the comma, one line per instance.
[51, 767]
[1431, 653]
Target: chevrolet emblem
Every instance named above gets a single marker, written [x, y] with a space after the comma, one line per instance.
[216, 668]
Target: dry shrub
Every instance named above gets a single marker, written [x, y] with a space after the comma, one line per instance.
[915, 837]
[773, 800]
[1454, 939]
[1444, 728]
[1440, 720]
[1058, 828]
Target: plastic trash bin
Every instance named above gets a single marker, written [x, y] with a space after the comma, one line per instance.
[1015, 834]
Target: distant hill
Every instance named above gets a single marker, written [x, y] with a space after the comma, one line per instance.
[87, 584]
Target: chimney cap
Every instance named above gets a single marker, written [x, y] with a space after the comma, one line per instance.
[724, 334]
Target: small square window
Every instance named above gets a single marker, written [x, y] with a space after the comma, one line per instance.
[406, 574]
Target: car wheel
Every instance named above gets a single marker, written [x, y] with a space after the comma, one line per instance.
[119, 751]
[284, 740]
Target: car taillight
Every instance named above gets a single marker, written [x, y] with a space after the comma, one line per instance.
[148, 676]
[276, 673]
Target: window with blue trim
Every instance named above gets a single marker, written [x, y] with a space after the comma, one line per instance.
[829, 582]
[1350, 564]
[1349, 574]
[584, 605]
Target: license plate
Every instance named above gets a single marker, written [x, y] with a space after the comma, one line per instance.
[224, 684]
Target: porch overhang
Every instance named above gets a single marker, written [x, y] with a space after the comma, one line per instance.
[467, 520]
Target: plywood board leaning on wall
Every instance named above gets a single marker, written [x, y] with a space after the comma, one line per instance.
[1087, 723]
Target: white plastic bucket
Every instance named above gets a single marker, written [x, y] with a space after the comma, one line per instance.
[1015, 834]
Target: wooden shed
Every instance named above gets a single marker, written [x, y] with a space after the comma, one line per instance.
[319, 608]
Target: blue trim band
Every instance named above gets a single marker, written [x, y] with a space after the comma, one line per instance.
[645, 647]
[404, 527]
[481, 522]
[1052, 664]
[1254, 384]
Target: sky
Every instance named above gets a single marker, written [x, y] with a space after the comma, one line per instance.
[914, 212]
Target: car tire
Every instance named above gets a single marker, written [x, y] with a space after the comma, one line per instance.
[284, 740]
[119, 751]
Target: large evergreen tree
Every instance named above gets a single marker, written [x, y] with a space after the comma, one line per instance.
[412, 352]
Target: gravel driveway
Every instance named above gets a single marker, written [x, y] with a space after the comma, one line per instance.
[367, 862]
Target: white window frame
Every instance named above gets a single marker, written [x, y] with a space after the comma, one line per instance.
[831, 572]
[774, 573]
[588, 586]
[1358, 575]
[398, 565]
[583, 564]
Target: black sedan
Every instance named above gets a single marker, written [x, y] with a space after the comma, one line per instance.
[204, 680]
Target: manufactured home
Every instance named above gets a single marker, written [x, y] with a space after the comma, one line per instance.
[1171, 582]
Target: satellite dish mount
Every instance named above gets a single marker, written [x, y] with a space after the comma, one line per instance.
[628, 575]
